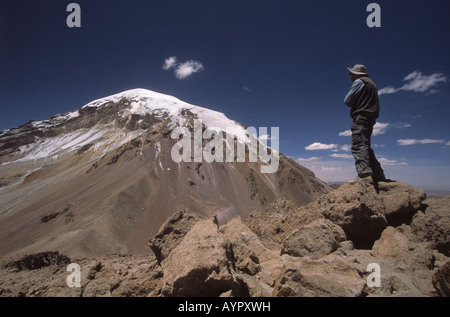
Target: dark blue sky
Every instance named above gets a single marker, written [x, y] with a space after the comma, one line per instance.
[265, 63]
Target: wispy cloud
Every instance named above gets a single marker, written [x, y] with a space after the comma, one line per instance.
[345, 133]
[187, 69]
[309, 159]
[406, 142]
[387, 162]
[320, 146]
[247, 89]
[169, 62]
[417, 82]
[345, 147]
[345, 156]
[182, 70]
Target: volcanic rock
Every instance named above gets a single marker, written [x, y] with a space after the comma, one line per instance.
[329, 276]
[314, 240]
[441, 280]
[401, 201]
[171, 233]
[201, 264]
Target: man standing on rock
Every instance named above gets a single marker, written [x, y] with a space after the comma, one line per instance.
[363, 101]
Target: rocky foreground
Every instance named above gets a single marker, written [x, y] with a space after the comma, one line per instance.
[353, 241]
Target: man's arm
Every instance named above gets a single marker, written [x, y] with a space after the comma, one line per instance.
[353, 94]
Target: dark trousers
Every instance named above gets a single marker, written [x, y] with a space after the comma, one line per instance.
[365, 161]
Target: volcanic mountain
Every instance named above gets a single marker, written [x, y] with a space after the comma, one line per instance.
[102, 179]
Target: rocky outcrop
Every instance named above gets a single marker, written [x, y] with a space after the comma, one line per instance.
[330, 276]
[312, 250]
[314, 240]
[359, 209]
[201, 264]
[441, 280]
[171, 233]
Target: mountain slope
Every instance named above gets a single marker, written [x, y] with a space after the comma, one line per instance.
[102, 179]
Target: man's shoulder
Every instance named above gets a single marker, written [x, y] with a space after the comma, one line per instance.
[367, 80]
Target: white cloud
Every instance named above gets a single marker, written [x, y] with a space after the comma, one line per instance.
[169, 63]
[331, 168]
[387, 90]
[417, 82]
[345, 156]
[447, 144]
[185, 70]
[345, 133]
[320, 146]
[247, 89]
[310, 159]
[380, 128]
[405, 142]
[388, 162]
[346, 148]
[182, 70]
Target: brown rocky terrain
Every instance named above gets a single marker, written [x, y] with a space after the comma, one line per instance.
[325, 248]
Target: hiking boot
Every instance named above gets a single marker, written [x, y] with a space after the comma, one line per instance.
[384, 180]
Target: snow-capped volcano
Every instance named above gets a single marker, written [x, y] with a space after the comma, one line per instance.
[102, 179]
[106, 123]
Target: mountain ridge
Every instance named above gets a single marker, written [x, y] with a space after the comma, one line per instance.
[106, 173]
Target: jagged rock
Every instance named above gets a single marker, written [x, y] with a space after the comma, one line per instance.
[112, 275]
[433, 224]
[274, 224]
[358, 209]
[401, 201]
[248, 251]
[314, 240]
[171, 233]
[441, 280]
[396, 247]
[329, 276]
[39, 260]
[364, 212]
[272, 269]
[193, 256]
[201, 264]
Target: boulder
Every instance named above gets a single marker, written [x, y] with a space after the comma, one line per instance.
[201, 264]
[432, 224]
[358, 210]
[171, 233]
[275, 223]
[248, 251]
[314, 240]
[405, 255]
[441, 280]
[401, 201]
[329, 276]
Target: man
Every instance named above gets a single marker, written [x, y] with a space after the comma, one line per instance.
[363, 101]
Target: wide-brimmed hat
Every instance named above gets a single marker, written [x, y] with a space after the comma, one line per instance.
[358, 69]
